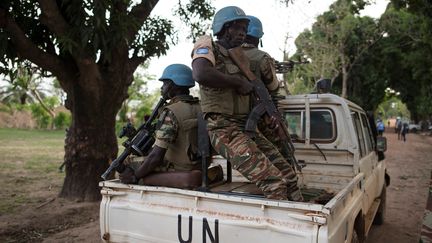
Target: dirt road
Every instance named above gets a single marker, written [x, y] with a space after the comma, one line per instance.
[409, 166]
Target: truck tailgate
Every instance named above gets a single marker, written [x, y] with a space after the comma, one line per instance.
[131, 213]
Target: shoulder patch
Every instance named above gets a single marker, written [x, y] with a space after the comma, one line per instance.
[202, 50]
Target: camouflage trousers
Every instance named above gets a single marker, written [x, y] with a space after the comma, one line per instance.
[256, 159]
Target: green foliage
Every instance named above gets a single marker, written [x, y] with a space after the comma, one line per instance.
[139, 99]
[5, 108]
[41, 116]
[336, 44]
[406, 54]
[155, 38]
[146, 107]
[99, 26]
[300, 86]
[392, 107]
[62, 120]
[190, 14]
[394, 52]
[22, 83]
[51, 102]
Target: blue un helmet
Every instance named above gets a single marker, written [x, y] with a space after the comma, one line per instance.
[180, 74]
[255, 28]
[225, 15]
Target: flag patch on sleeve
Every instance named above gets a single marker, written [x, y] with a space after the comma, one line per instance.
[202, 50]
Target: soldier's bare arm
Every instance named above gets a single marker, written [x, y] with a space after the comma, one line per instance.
[154, 159]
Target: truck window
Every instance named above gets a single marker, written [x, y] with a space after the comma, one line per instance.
[370, 143]
[296, 125]
[322, 125]
[358, 128]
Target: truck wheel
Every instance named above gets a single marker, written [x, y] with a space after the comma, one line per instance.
[355, 238]
[379, 216]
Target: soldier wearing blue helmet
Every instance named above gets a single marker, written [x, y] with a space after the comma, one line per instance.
[173, 159]
[180, 74]
[262, 65]
[226, 103]
[255, 28]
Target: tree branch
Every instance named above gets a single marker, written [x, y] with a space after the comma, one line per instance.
[52, 18]
[363, 51]
[28, 50]
[42, 103]
[140, 12]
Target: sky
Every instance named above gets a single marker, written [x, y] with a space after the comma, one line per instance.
[277, 19]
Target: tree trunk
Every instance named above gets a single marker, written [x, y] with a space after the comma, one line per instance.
[90, 142]
[344, 79]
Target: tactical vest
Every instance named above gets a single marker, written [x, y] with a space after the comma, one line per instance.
[183, 153]
[255, 57]
[224, 100]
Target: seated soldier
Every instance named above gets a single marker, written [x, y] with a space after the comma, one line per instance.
[173, 159]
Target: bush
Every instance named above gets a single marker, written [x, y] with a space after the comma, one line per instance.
[62, 120]
[42, 117]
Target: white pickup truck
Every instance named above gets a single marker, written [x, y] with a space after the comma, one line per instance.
[343, 182]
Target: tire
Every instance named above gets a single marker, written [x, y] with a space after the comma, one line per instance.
[379, 216]
[354, 237]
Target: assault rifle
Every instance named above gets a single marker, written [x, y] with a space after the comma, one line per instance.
[139, 141]
[263, 107]
[285, 67]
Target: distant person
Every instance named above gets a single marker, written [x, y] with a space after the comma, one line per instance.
[388, 123]
[380, 127]
[398, 126]
[403, 131]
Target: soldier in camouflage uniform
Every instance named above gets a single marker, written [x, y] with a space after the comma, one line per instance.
[261, 63]
[263, 66]
[175, 148]
[226, 103]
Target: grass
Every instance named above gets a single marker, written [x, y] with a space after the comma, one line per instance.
[29, 162]
[29, 167]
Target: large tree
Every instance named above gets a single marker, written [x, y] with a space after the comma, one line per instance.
[338, 41]
[407, 54]
[93, 48]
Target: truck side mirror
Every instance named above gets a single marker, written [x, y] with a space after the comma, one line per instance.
[381, 144]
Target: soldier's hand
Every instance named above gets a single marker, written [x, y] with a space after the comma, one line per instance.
[128, 176]
[245, 87]
[274, 125]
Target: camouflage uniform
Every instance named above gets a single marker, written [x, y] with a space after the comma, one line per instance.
[177, 132]
[263, 66]
[226, 112]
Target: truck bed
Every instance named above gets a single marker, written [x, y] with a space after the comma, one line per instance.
[247, 189]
